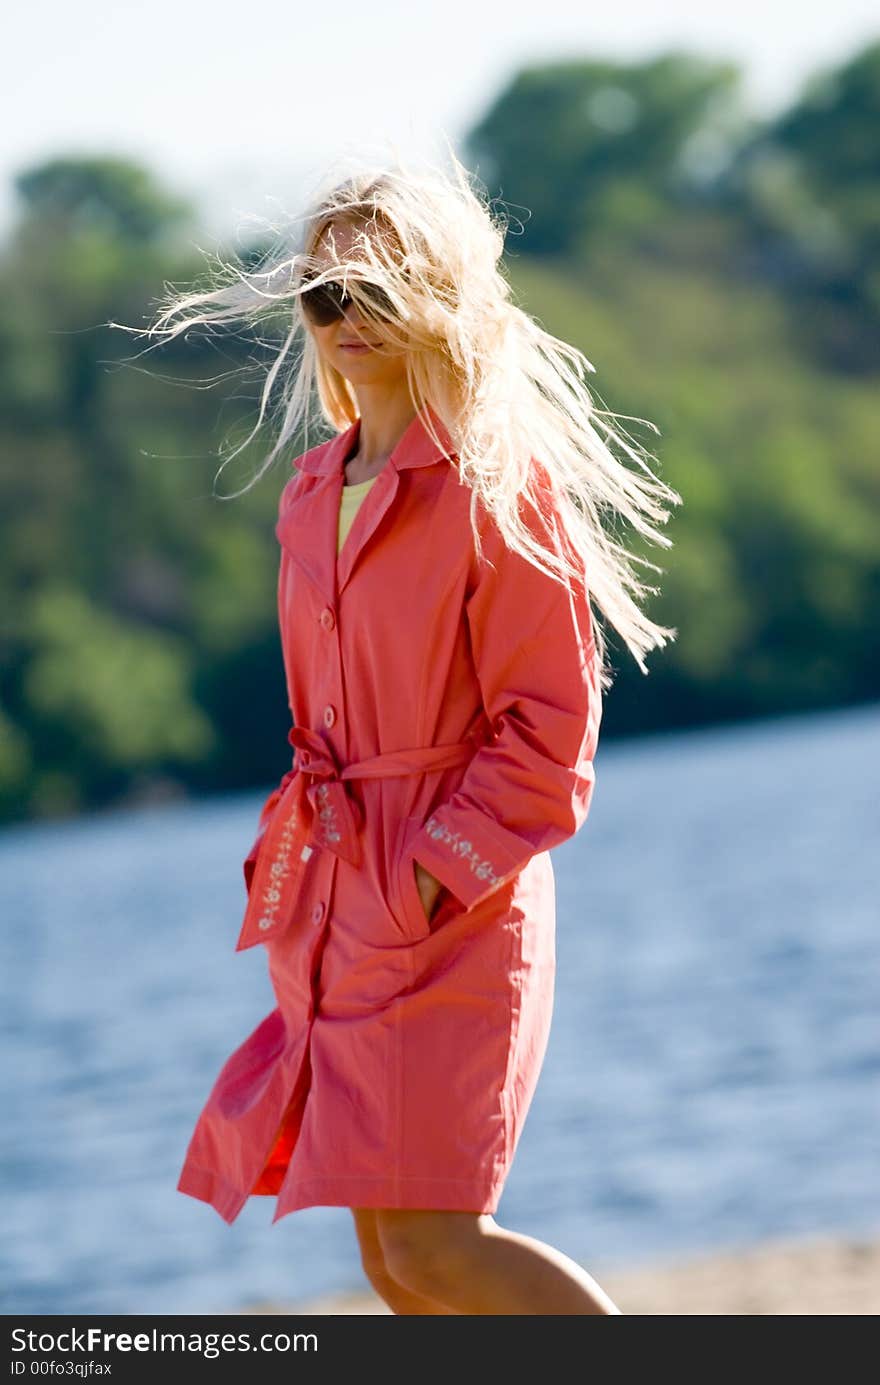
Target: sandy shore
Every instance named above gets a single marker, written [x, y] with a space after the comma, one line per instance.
[816, 1277]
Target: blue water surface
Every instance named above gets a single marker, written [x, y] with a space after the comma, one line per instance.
[711, 1078]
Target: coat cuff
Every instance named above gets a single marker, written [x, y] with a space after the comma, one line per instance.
[469, 853]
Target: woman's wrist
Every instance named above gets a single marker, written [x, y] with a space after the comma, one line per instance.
[429, 888]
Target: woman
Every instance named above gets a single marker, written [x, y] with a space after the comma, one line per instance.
[438, 556]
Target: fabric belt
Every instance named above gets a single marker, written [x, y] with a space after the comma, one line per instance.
[311, 808]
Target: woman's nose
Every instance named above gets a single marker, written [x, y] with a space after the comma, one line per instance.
[353, 315]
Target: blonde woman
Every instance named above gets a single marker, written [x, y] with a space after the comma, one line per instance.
[439, 556]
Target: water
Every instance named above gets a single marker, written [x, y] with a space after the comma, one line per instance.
[711, 1080]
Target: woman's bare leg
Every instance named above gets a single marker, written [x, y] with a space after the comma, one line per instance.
[468, 1262]
[400, 1300]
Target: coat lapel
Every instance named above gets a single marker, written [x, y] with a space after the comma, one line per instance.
[309, 530]
[308, 533]
[370, 512]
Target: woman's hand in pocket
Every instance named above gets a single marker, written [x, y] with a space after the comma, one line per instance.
[429, 888]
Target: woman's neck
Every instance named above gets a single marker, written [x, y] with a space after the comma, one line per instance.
[382, 425]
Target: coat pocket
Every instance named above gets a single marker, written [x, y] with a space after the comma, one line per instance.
[407, 902]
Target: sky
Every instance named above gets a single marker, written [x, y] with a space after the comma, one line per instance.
[245, 111]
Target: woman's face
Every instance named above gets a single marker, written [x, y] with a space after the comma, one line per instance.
[350, 344]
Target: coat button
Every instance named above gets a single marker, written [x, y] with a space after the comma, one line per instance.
[329, 715]
[327, 618]
[317, 912]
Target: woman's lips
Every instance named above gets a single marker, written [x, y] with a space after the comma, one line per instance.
[356, 346]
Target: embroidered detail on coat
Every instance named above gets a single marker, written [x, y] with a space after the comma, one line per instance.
[278, 871]
[481, 868]
[327, 814]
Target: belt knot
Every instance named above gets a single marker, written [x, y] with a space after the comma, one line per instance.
[275, 870]
[337, 818]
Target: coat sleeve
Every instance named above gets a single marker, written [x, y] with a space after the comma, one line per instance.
[535, 656]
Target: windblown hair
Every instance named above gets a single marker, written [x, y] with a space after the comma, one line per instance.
[509, 392]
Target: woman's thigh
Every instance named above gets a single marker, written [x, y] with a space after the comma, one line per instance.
[399, 1298]
[365, 1226]
[406, 1237]
[396, 1232]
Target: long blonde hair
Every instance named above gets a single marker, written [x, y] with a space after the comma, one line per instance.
[509, 393]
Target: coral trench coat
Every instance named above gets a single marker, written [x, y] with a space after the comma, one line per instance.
[446, 710]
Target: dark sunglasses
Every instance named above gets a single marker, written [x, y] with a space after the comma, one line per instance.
[327, 302]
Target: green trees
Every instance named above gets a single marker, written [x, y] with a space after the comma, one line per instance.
[722, 273]
[600, 150]
[137, 640]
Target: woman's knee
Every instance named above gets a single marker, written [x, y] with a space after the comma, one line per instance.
[425, 1251]
[372, 1258]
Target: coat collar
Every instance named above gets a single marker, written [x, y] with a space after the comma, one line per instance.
[415, 447]
[309, 531]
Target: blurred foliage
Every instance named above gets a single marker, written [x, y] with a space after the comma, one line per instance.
[664, 158]
[585, 152]
[722, 273]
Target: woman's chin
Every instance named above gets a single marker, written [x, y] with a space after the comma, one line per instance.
[366, 368]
